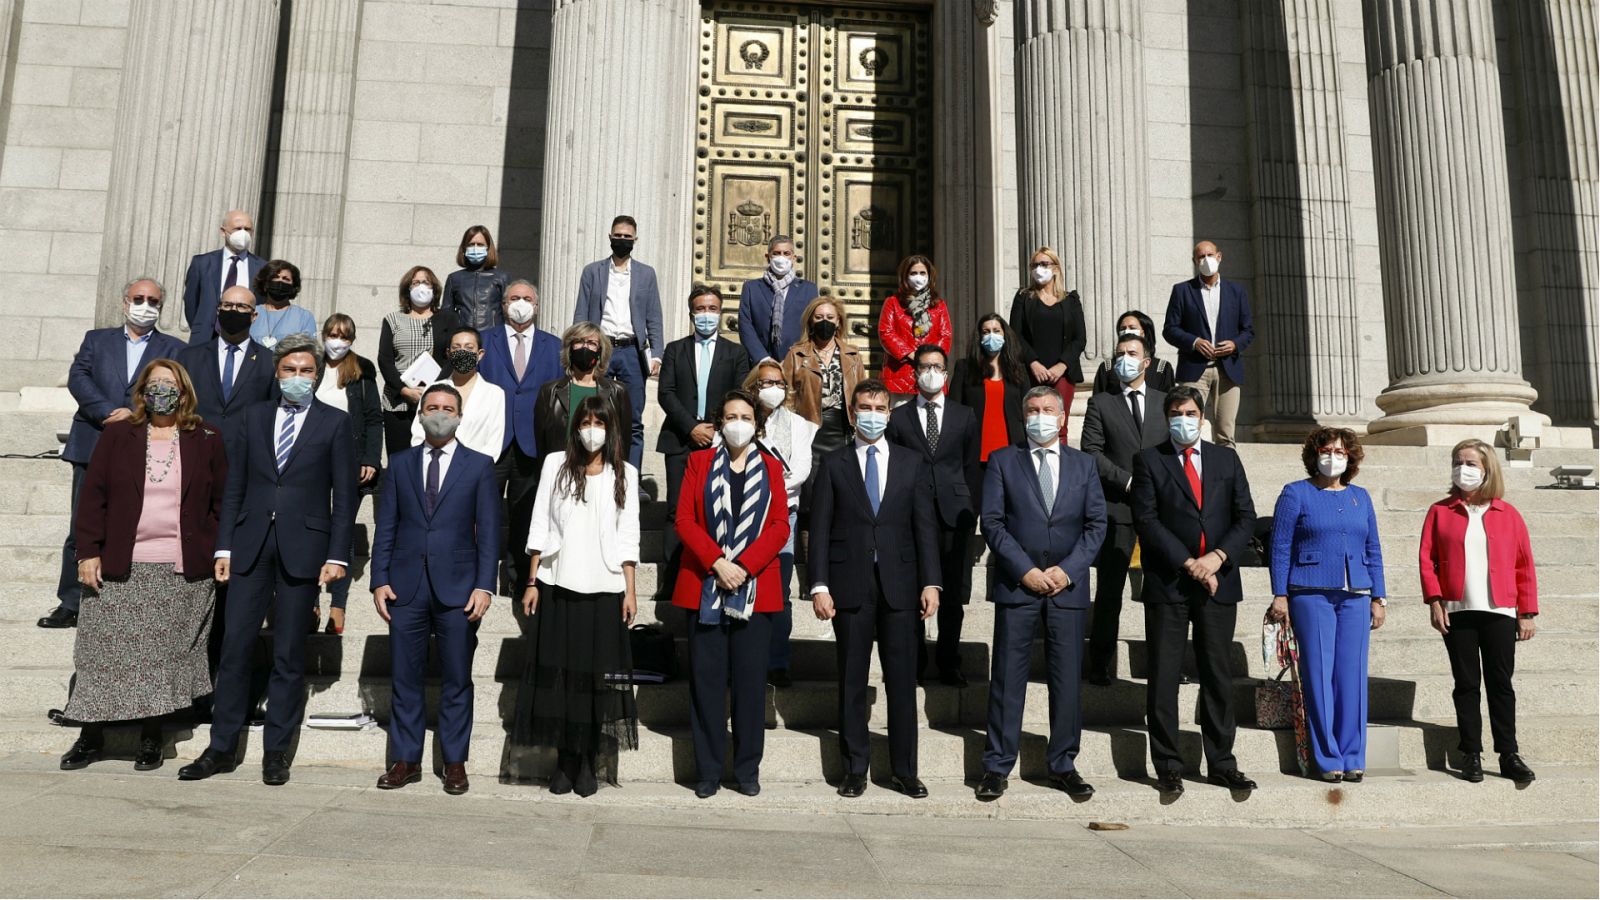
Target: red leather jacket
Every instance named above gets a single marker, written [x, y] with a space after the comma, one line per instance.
[899, 339]
[1443, 554]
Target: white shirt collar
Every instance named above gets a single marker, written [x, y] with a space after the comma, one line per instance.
[449, 449]
[511, 332]
[924, 402]
[1179, 448]
[882, 445]
[1048, 448]
[1128, 389]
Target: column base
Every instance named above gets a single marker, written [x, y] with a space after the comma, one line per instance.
[1443, 413]
[1285, 430]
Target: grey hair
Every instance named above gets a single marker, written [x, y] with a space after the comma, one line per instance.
[159, 286]
[516, 281]
[299, 342]
[779, 239]
[1043, 390]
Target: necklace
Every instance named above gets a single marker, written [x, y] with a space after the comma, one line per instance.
[165, 465]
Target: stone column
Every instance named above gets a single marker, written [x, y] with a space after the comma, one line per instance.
[1081, 151]
[619, 140]
[191, 140]
[1444, 222]
[313, 150]
[957, 205]
[1305, 270]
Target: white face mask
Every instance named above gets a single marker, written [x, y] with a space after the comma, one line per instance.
[421, 295]
[1467, 478]
[737, 433]
[592, 438]
[1332, 465]
[336, 348]
[930, 382]
[780, 265]
[1042, 274]
[1043, 428]
[520, 311]
[917, 281]
[239, 240]
[1208, 266]
[773, 397]
[142, 315]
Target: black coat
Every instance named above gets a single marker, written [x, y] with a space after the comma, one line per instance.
[366, 414]
[1110, 437]
[1025, 312]
[550, 410]
[255, 379]
[954, 466]
[1170, 524]
[679, 388]
[845, 536]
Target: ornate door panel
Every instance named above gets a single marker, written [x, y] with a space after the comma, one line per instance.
[814, 122]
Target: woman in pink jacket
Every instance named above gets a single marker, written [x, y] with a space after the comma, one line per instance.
[1477, 576]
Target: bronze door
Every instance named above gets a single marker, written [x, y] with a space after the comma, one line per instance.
[814, 122]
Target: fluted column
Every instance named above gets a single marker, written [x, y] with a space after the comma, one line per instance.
[1081, 150]
[1444, 220]
[619, 140]
[191, 139]
[313, 151]
[1301, 217]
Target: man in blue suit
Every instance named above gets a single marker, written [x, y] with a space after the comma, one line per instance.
[1044, 519]
[770, 307]
[215, 271]
[519, 358]
[433, 572]
[619, 294]
[293, 460]
[101, 380]
[231, 372]
[1208, 320]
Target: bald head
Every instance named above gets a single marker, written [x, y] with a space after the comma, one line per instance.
[237, 295]
[237, 230]
[1207, 261]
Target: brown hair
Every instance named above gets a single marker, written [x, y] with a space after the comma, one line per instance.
[405, 287]
[1494, 480]
[490, 261]
[904, 290]
[1322, 437]
[740, 395]
[188, 419]
[342, 326]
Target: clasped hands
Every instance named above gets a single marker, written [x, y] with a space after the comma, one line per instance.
[1219, 350]
[1204, 570]
[1048, 582]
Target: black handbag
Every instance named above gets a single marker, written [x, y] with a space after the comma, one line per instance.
[655, 654]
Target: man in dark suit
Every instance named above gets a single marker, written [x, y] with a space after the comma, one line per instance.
[101, 380]
[948, 437]
[874, 540]
[1116, 428]
[434, 562]
[215, 271]
[696, 371]
[1044, 520]
[1208, 320]
[1191, 507]
[519, 358]
[770, 307]
[619, 294]
[293, 460]
[230, 371]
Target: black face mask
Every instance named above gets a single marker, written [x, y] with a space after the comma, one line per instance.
[233, 322]
[464, 361]
[621, 248]
[281, 290]
[823, 331]
[583, 358]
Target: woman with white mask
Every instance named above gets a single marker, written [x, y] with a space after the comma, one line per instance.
[1048, 318]
[418, 328]
[349, 381]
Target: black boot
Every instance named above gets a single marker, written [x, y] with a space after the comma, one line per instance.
[1512, 767]
[566, 767]
[585, 785]
[1472, 767]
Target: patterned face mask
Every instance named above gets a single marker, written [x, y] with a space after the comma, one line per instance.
[161, 399]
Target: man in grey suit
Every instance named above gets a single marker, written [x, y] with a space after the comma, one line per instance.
[1116, 427]
[619, 294]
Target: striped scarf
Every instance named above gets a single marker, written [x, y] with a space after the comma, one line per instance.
[733, 537]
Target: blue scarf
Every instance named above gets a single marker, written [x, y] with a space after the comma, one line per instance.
[733, 536]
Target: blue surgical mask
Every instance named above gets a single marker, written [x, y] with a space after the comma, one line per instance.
[1185, 430]
[476, 254]
[1128, 368]
[992, 342]
[296, 389]
[1042, 428]
[705, 324]
[871, 425]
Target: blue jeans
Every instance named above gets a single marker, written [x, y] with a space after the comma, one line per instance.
[1333, 629]
[626, 367]
[783, 622]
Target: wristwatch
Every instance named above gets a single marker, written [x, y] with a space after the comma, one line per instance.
[1382, 603]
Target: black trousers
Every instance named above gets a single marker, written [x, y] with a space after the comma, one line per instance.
[397, 430]
[676, 465]
[729, 659]
[518, 476]
[955, 571]
[69, 593]
[1166, 628]
[895, 631]
[1483, 650]
[1112, 569]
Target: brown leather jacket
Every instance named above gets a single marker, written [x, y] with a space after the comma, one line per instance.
[802, 369]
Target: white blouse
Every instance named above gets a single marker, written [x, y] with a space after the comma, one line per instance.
[483, 421]
[583, 546]
[1478, 597]
[329, 391]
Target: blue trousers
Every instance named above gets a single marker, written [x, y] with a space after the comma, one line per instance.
[411, 621]
[1333, 629]
[783, 622]
[626, 367]
[1014, 630]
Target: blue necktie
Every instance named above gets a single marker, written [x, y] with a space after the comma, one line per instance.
[286, 436]
[872, 478]
[703, 378]
[227, 374]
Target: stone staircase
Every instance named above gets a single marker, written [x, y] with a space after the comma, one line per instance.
[1410, 703]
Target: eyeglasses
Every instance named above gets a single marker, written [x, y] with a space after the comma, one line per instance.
[141, 300]
[931, 367]
[771, 382]
[236, 307]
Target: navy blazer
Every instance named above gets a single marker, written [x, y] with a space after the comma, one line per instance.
[1169, 522]
[202, 288]
[644, 301]
[1316, 545]
[755, 318]
[315, 494]
[848, 541]
[457, 549]
[1186, 323]
[254, 380]
[498, 368]
[1022, 536]
[98, 380]
[954, 466]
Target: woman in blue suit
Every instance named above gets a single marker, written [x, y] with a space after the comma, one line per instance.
[1327, 579]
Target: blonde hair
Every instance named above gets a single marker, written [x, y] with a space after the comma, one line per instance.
[1057, 283]
[752, 385]
[577, 332]
[843, 334]
[187, 403]
[1494, 481]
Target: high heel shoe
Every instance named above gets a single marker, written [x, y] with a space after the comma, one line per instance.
[1334, 776]
[1355, 776]
[335, 621]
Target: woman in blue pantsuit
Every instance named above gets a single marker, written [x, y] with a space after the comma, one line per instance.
[1327, 580]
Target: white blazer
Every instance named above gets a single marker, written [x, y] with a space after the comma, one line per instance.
[483, 422]
[618, 540]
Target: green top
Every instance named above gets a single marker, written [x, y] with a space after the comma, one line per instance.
[576, 394]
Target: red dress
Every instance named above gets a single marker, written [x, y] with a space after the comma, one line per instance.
[995, 433]
[700, 550]
[897, 334]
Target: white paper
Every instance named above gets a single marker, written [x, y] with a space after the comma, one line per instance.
[424, 371]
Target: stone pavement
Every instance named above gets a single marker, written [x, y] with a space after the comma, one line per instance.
[108, 831]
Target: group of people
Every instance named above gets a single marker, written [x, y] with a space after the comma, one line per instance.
[506, 460]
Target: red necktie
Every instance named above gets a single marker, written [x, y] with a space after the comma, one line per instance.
[1194, 485]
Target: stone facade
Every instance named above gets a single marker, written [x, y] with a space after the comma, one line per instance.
[1420, 250]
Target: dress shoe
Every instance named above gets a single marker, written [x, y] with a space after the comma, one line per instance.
[748, 788]
[399, 775]
[82, 753]
[275, 769]
[60, 617]
[1472, 767]
[953, 678]
[1233, 780]
[1072, 783]
[706, 789]
[1170, 783]
[211, 762]
[1355, 776]
[455, 779]
[911, 787]
[1512, 767]
[1334, 777]
[148, 759]
[853, 785]
[991, 787]
[779, 678]
[560, 782]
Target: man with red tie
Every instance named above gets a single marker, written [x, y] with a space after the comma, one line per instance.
[1192, 511]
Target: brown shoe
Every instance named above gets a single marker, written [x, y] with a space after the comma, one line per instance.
[455, 778]
[399, 775]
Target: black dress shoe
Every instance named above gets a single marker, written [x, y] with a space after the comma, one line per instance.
[911, 787]
[853, 785]
[275, 769]
[703, 790]
[211, 762]
[148, 759]
[1512, 767]
[748, 788]
[991, 787]
[779, 678]
[1170, 783]
[1234, 780]
[82, 753]
[953, 678]
[60, 617]
[1072, 783]
[1472, 767]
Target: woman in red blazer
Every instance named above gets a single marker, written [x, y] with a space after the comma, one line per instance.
[146, 531]
[915, 315]
[733, 520]
[1477, 572]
